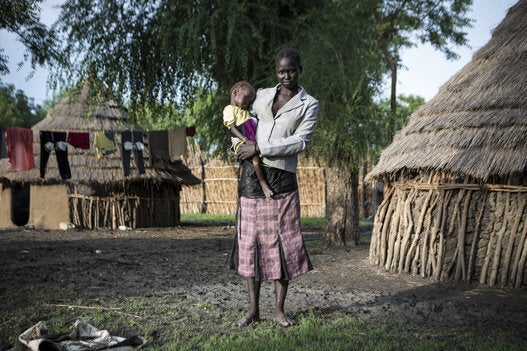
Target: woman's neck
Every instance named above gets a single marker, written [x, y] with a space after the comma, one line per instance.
[287, 92]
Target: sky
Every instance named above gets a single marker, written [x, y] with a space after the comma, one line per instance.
[425, 68]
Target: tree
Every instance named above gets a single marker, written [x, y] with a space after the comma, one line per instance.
[17, 110]
[22, 17]
[402, 23]
[174, 50]
[344, 71]
[189, 53]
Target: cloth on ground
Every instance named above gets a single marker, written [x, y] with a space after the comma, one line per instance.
[20, 148]
[83, 336]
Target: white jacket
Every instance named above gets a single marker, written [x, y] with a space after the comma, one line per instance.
[282, 137]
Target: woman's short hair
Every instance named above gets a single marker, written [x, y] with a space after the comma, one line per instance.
[290, 53]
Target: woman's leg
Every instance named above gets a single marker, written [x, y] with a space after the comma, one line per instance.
[253, 315]
[281, 287]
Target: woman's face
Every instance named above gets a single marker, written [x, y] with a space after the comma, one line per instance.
[287, 73]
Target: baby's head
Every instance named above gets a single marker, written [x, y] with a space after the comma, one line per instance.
[242, 94]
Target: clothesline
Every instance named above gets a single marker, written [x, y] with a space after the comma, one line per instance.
[16, 144]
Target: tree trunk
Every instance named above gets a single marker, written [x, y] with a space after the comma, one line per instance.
[342, 208]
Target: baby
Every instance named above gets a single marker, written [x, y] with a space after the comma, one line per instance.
[236, 115]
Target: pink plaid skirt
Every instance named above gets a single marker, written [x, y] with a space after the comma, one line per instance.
[269, 238]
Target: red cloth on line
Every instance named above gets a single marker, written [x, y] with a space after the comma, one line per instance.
[190, 131]
[20, 148]
[79, 140]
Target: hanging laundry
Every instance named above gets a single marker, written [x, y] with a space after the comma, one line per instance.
[158, 146]
[79, 140]
[132, 141]
[50, 141]
[3, 143]
[190, 131]
[177, 143]
[104, 143]
[20, 148]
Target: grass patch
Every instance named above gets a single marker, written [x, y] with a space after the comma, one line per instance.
[215, 219]
[196, 325]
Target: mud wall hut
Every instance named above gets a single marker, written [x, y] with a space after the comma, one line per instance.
[97, 194]
[456, 176]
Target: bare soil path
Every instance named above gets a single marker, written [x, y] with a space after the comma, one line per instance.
[189, 263]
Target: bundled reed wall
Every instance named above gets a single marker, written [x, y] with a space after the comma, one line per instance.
[217, 193]
[453, 231]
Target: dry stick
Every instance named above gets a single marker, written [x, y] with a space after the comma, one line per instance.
[521, 265]
[113, 309]
[399, 233]
[510, 244]
[475, 238]
[499, 241]
[385, 227]
[415, 243]
[114, 222]
[484, 268]
[417, 232]
[450, 232]
[90, 214]
[409, 229]
[515, 266]
[393, 234]
[439, 263]
[461, 269]
[379, 218]
[425, 247]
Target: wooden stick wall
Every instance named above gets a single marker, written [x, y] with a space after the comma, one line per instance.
[464, 232]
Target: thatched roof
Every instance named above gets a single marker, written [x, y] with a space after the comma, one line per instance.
[476, 125]
[75, 114]
[84, 112]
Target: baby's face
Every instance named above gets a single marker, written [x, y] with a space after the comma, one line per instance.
[243, 98]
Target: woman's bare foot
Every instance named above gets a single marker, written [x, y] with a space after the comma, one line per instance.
[247, 319]
[283, 320]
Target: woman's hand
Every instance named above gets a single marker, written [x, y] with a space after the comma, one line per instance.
[246, 151]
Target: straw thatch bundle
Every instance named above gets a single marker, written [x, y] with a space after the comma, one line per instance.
[455, 176]
[99, 194]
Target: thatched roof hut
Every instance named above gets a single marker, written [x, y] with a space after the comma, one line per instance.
[98, 194]
[455, 176]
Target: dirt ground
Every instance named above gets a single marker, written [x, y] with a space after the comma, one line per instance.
[189, 262]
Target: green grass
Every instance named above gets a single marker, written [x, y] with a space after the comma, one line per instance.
[200, 326]
[211, 219]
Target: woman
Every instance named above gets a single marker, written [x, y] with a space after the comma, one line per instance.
[269, 239]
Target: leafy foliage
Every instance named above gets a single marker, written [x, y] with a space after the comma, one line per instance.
[406, 105]
[342, 68]
[401, 24]
[17, 110]
[22, 17]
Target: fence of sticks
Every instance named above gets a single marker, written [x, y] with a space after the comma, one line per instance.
[217, 193]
